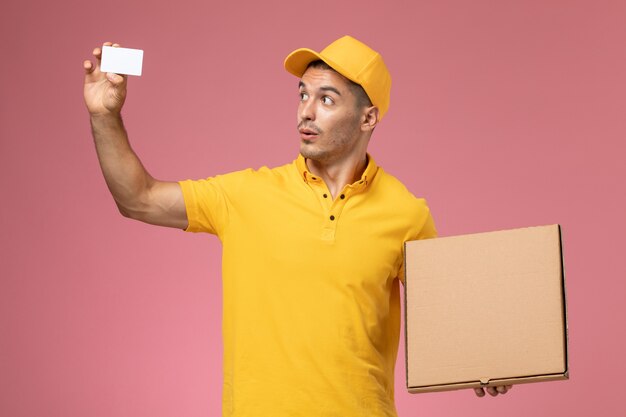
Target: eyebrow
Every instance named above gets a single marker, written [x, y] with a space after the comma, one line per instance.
[323, 88]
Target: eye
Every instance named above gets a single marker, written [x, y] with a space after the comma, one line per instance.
[327, 100]
[303, 96]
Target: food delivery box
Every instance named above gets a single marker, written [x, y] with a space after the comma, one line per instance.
[485, 309]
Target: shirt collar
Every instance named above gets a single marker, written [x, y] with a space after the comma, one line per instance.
[366, 178]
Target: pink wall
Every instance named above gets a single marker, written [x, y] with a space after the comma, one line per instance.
[504, 114]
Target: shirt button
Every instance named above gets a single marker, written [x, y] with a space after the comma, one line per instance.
[332, 217]
[342, 196]
[325, 196]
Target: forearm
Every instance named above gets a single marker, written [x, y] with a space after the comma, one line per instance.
[127, 179]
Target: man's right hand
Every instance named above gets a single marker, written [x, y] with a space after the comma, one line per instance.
[104, 93]
[137, 195]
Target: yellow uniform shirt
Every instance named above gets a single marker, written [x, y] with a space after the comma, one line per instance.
[311, 315]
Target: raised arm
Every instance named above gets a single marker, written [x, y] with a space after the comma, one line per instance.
[136, 193]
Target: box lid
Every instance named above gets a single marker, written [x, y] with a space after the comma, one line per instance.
[485, 308]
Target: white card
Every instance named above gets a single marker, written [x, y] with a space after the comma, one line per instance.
[121, 60]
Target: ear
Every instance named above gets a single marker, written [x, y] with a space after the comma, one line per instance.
[369, 119]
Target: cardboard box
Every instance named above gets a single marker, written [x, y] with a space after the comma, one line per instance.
[485, 309]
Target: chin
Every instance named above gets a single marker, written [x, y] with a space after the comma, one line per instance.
[310, 153]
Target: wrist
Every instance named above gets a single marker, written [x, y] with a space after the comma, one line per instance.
[106, 119]
[106, 122]
[106, 116]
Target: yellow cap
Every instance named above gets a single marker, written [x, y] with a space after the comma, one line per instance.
[355, 61]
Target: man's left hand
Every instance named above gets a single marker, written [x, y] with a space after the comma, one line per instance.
[493, 391]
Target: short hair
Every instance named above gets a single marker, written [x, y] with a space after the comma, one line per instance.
[362, 99]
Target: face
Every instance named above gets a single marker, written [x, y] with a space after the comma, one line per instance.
[328, 120]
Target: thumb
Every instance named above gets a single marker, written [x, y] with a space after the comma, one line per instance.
[115, 79]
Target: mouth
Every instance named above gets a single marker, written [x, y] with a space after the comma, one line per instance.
[308, 134]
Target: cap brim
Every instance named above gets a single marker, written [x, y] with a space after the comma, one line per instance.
[297, 61]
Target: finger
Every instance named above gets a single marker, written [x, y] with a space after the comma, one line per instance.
[492, 391]
[97, 52]
[116, 79]
[501, 389]
[479, 392]
[94, 67]
[116, 45]
[88, 66]
[509, 387]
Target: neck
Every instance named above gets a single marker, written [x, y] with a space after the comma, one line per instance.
[339, 173]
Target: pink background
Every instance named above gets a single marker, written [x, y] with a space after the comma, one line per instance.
[504, 114]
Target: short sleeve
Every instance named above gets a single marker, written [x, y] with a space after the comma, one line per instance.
[209, 201]
[427, 231]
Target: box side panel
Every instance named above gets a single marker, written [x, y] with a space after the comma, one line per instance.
[494, 383]
[564, 298]
[406, 318]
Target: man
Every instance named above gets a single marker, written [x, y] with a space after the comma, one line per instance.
[312, 250]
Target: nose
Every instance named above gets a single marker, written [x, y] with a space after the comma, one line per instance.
[306, 110]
